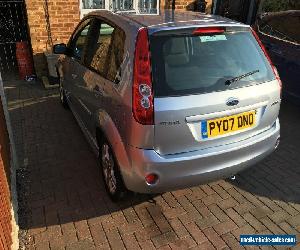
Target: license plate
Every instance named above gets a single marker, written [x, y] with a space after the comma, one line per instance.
[228, 124]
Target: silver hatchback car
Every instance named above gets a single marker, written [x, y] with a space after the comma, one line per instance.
[172, 100]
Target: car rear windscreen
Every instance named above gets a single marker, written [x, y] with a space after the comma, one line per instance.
[188, 64]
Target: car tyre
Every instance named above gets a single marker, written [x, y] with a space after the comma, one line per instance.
[110, 172]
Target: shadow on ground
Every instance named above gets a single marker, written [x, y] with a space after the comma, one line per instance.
[59, 181]
[278, 176]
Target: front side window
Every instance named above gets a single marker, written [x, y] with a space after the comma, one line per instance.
[116, 55]
[79, 41]
[98, 53]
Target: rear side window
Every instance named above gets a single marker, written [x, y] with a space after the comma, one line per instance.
[116, 55]
[106, 50]
[187, 64]
[98, 53]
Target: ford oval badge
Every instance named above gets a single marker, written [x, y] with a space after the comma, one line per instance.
[232, 102]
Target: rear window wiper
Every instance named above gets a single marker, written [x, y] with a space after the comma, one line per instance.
[235, 79]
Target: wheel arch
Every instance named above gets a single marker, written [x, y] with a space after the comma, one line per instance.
[106, 128]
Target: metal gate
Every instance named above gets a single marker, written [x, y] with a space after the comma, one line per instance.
[13, 28]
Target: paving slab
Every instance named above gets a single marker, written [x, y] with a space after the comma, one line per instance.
[63, 203]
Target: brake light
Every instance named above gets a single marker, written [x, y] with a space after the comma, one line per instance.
[275, 71]
[208, 30]
[142, 102]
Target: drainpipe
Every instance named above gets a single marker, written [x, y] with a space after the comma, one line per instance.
[173, 9]
[250, 12]
[215, 7]
[173, 4]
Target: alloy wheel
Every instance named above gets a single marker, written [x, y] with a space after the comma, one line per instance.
[108, 165]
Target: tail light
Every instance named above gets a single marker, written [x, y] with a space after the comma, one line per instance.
[142, 83]
[208, 30]
[269, 59]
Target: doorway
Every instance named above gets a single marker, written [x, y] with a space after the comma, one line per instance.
[13, 28]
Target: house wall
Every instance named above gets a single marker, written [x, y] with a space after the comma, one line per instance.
[63, 17]
[185, 4]
[5, 199]
[9, 228]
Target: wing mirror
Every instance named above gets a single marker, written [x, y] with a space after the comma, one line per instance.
[60, 48]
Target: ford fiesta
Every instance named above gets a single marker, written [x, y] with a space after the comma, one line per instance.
[172, 100]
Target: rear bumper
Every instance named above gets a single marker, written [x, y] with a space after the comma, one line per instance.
[198, 167]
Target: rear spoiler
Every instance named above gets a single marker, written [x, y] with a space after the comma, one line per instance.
[197, 30]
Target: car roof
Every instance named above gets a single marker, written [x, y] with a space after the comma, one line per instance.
[169, 18]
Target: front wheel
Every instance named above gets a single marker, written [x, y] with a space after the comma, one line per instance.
[110, 171]
[62, 96]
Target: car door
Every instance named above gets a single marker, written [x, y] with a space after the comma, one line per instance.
[103, 59]
[72, 67]
[280, 34]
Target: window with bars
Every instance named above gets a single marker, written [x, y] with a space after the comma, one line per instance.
[142, 6]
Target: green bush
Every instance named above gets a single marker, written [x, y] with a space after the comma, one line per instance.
[280, 5]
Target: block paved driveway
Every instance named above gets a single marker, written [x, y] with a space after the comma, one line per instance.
[63, 204]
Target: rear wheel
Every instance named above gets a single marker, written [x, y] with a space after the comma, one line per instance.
[110, 171]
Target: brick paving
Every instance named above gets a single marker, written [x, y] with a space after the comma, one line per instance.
[63, 204]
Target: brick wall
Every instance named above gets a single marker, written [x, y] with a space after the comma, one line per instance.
[63, 16]
[5, 199]
[184, 4]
